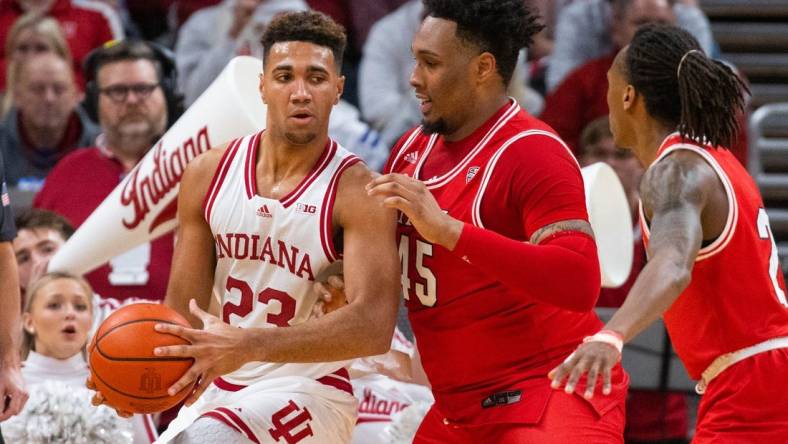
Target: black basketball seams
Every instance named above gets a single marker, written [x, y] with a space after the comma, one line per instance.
[140, 359]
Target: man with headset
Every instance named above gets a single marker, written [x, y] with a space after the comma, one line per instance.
[130, 91]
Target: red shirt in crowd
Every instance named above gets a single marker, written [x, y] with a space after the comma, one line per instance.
[582, 97]
[76, 187]
[85, 28]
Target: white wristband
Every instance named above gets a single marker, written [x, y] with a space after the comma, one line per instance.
[608, 338]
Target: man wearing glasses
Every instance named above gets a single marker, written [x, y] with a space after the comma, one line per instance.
[125, 91]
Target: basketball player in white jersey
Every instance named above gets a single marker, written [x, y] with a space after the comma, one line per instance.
[259, 221]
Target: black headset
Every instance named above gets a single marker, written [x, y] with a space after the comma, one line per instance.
[168, 77]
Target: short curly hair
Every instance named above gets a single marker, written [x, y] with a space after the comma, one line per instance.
[500, 27]
[306, 26]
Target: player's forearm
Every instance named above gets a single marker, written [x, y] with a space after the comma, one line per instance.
[562, 270]
[654, 291]
[10, 328]
[350, 332]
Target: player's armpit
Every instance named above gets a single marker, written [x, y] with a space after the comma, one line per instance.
[194, 258]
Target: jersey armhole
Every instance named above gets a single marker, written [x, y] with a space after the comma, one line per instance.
[327, 210]
[218, 178]
[721, 241]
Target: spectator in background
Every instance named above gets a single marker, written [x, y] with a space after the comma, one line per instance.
[40, 233]
[213, 36]
[581, 96]
[132, 112]
[85, 24]
[57, 321]
[45, 122]
[31, 34]
[583, 33]
[653, 417]
[386, 96]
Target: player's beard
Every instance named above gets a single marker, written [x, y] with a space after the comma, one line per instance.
[439, 126]
[300, 138]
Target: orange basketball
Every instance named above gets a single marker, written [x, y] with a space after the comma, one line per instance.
[122, 363]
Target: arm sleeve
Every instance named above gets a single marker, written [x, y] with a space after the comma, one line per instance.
[563, 270]
[546, 187]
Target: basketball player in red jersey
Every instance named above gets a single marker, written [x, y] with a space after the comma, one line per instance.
[713, 270]
[259, 221]
[499, 263]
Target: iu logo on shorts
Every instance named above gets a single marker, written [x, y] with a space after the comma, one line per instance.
[285, 429]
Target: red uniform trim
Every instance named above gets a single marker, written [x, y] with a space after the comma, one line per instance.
[320, 165]
[218, 177]
[440, 181]
[327, 209]
[250, 176]
[239, 422]
[340, 379]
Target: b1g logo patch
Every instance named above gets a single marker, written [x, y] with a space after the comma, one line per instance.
[307, 209]
[471, 173]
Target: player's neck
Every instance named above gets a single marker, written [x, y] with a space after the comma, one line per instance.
[281, 163]
[648, 139]
[484, 109]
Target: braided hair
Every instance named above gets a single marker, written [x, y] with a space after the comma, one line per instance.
[683, 88]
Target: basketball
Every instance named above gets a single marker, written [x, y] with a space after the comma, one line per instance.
[122, 363]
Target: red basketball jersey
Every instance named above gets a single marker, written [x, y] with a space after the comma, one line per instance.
[737, 295]
[476, 336]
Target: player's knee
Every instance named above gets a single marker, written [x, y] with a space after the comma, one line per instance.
[210, 431]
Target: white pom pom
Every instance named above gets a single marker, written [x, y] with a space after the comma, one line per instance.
[405, 423]
[57, 413]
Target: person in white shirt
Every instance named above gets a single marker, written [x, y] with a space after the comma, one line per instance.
[57, 320]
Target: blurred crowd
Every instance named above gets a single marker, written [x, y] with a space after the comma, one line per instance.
[87, 87]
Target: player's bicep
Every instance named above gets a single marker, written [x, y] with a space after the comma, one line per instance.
[674, 194]
[371, 265]
[194, 257]
[545, 186]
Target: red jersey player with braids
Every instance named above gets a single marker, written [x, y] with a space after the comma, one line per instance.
[499, 263]
[713, 271]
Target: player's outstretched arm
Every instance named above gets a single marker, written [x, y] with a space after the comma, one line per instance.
[675, 191]
[194, 259]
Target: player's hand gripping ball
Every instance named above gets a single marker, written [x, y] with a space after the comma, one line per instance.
[123, 368]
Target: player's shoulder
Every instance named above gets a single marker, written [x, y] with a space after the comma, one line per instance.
[527, 138]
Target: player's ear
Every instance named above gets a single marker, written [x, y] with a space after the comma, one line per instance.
[340, 89]
[629, 96]
[261, 87]
[485, 66]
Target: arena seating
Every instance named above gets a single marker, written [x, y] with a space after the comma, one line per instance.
[751, 35]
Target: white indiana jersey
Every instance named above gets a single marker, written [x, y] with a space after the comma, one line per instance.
[269, 251]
